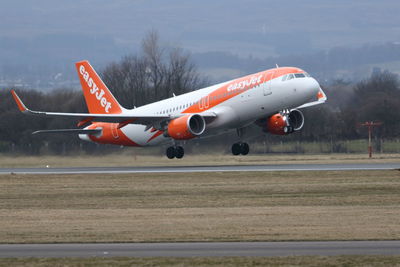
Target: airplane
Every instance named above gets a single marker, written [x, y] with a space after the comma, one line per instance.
[271, 99]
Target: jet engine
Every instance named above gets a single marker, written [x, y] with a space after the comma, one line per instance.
[284, 123]
[186, 127]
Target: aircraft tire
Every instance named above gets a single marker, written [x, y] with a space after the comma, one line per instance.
[236, 149]
[288, 129]
[244, 149]
[170, 152]
[179, 152]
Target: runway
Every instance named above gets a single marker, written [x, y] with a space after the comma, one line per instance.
[187, 169]
[217, 249]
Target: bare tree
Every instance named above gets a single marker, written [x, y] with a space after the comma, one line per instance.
[182, 75]
[152, 76]
[153, 55]
[127, 80]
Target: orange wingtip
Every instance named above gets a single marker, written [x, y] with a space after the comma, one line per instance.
[21, 105]
[320, 95]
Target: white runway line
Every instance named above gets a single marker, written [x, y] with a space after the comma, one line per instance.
[194, 169]
[203, 249]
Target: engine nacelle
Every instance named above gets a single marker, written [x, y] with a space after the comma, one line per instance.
[282, 124]
[186, 127]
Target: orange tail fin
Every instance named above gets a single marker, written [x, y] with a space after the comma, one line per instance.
[98, 97]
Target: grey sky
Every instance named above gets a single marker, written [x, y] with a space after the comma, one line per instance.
[41, 39]
[242, 27]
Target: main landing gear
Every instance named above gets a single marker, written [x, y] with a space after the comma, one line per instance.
[175, 152]
[240, 148]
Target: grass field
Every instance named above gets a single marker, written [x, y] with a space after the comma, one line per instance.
[134, 158]
[226, 261]
[200, 207]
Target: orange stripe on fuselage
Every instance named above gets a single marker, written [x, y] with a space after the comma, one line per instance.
[237, 87]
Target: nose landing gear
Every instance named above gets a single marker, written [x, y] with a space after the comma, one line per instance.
[175, 152]
[240, 148]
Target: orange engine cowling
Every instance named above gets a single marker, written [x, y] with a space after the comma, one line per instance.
[282, 124]
[186, 127]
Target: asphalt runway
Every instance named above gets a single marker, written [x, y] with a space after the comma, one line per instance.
[217, 249]
[224, 168]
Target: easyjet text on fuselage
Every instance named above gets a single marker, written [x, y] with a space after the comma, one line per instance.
[250, 82]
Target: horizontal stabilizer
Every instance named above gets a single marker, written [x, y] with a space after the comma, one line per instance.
[69, 131]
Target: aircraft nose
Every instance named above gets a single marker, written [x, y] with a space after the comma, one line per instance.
[313, 85]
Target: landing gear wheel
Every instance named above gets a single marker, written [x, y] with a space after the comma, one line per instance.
[244, 149]
[175, 152]
[179, 152]
[288, 129]
[236, 149]
[170, 152]
[240, 148]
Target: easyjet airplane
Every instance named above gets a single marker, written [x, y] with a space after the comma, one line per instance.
[272, 99]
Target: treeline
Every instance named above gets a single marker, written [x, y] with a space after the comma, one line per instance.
[156, 73]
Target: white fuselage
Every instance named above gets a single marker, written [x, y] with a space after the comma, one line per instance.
[237, 110]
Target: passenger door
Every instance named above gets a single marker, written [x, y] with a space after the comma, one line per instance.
[268, 83]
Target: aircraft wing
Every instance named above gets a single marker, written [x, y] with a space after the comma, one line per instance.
[131, 118]
[321, 98]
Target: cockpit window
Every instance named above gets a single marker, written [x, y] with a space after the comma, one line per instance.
[300, 75]
[294, 75]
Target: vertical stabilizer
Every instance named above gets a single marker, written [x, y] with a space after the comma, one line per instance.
[98, 97]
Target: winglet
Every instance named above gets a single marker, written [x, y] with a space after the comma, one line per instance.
[21, 105]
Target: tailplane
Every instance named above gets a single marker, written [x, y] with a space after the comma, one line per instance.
[98, 97]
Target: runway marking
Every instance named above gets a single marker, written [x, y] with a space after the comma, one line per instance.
[203, 249]
[194, 169]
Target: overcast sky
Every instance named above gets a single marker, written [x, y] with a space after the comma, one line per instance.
[255, 27]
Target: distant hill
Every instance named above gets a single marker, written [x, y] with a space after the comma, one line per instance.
[338, 63]
[40, 39]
